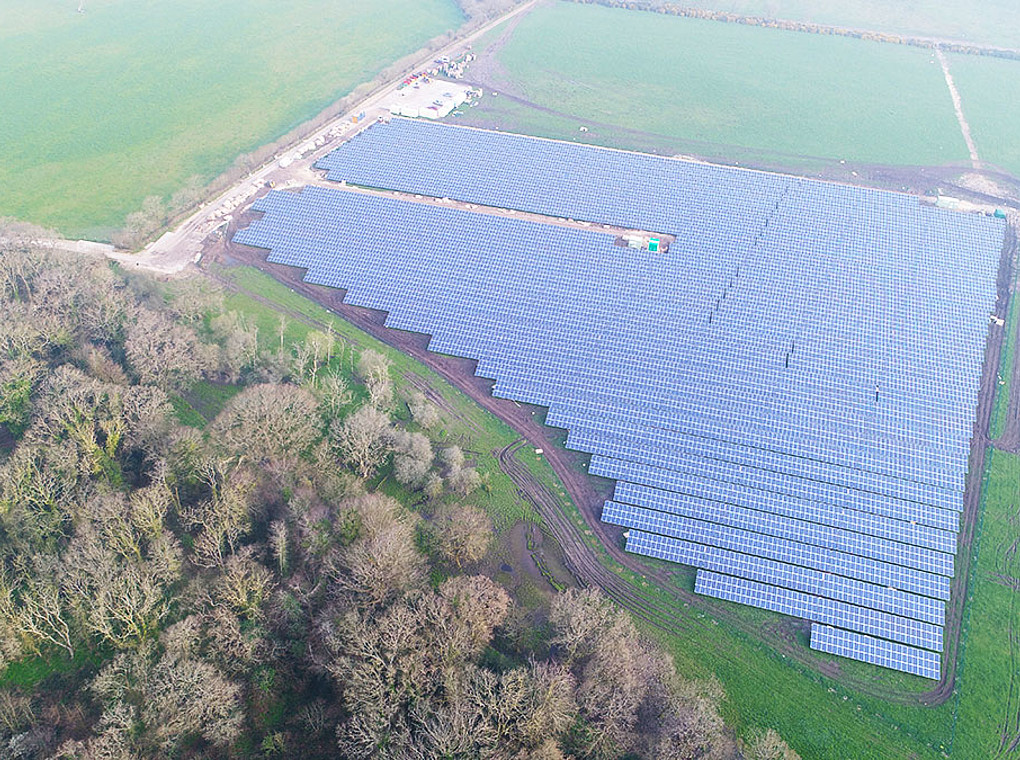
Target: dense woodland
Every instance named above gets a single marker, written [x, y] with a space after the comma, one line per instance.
[240, 590]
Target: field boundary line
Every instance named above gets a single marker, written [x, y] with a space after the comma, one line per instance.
[958, 107]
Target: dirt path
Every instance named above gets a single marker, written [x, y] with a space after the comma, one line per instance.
[958, 107]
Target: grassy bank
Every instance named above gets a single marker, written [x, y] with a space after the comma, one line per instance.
[1001, 408]
[987, 694]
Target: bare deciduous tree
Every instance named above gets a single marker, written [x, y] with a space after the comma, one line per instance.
[244, 585]
[579, 617]
[279, 544]
[174, 697]
[374, 371]
[35, 613]
[480, 606]
[463, 533]
[465, 481]
[225, 517]
[361, 439]
[334, 391]
[268, 421]
[384, 560]
[769, 745]
[412, 457]
[163, 353]
[239, 343]
[422, 410]
[452, 458]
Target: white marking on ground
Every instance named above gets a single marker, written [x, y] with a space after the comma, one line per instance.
[958, 107]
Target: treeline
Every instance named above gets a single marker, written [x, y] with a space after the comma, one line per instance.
[243, 590]
[476, 10]
[674, 9]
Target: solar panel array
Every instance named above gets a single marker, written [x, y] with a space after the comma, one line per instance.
[785, 398]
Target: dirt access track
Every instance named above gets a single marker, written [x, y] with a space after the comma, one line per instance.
[671, 605]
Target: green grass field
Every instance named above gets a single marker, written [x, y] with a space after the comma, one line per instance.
[988, 88]
[986, 22]
[987, 693]
[721, 90]
[100, 110]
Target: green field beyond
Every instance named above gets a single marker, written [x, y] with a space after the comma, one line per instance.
[988, 90]
[980, 22]
[717, 89]
[101, 109]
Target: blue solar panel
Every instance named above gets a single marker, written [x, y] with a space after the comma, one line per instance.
[828, 585]
[819, 609]
[781, 550]
[786, 395]
[857, 646]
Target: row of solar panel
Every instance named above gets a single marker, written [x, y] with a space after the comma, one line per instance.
[844, 446]
[781, 550]
[769, 480]
[817, 447]
[636, 315]
[775, 361]
[599, 438]
[859, 409]
[797, 476]
[575, 178]
[747, 506]
[784, 575]
[771, 425]
[651, 307]
[874, 651]
[397, 145]
[820, 610]
[832, 442]
[618, 469]
[733, 369]
[827, 537]
[851, 405]
[756, 345]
